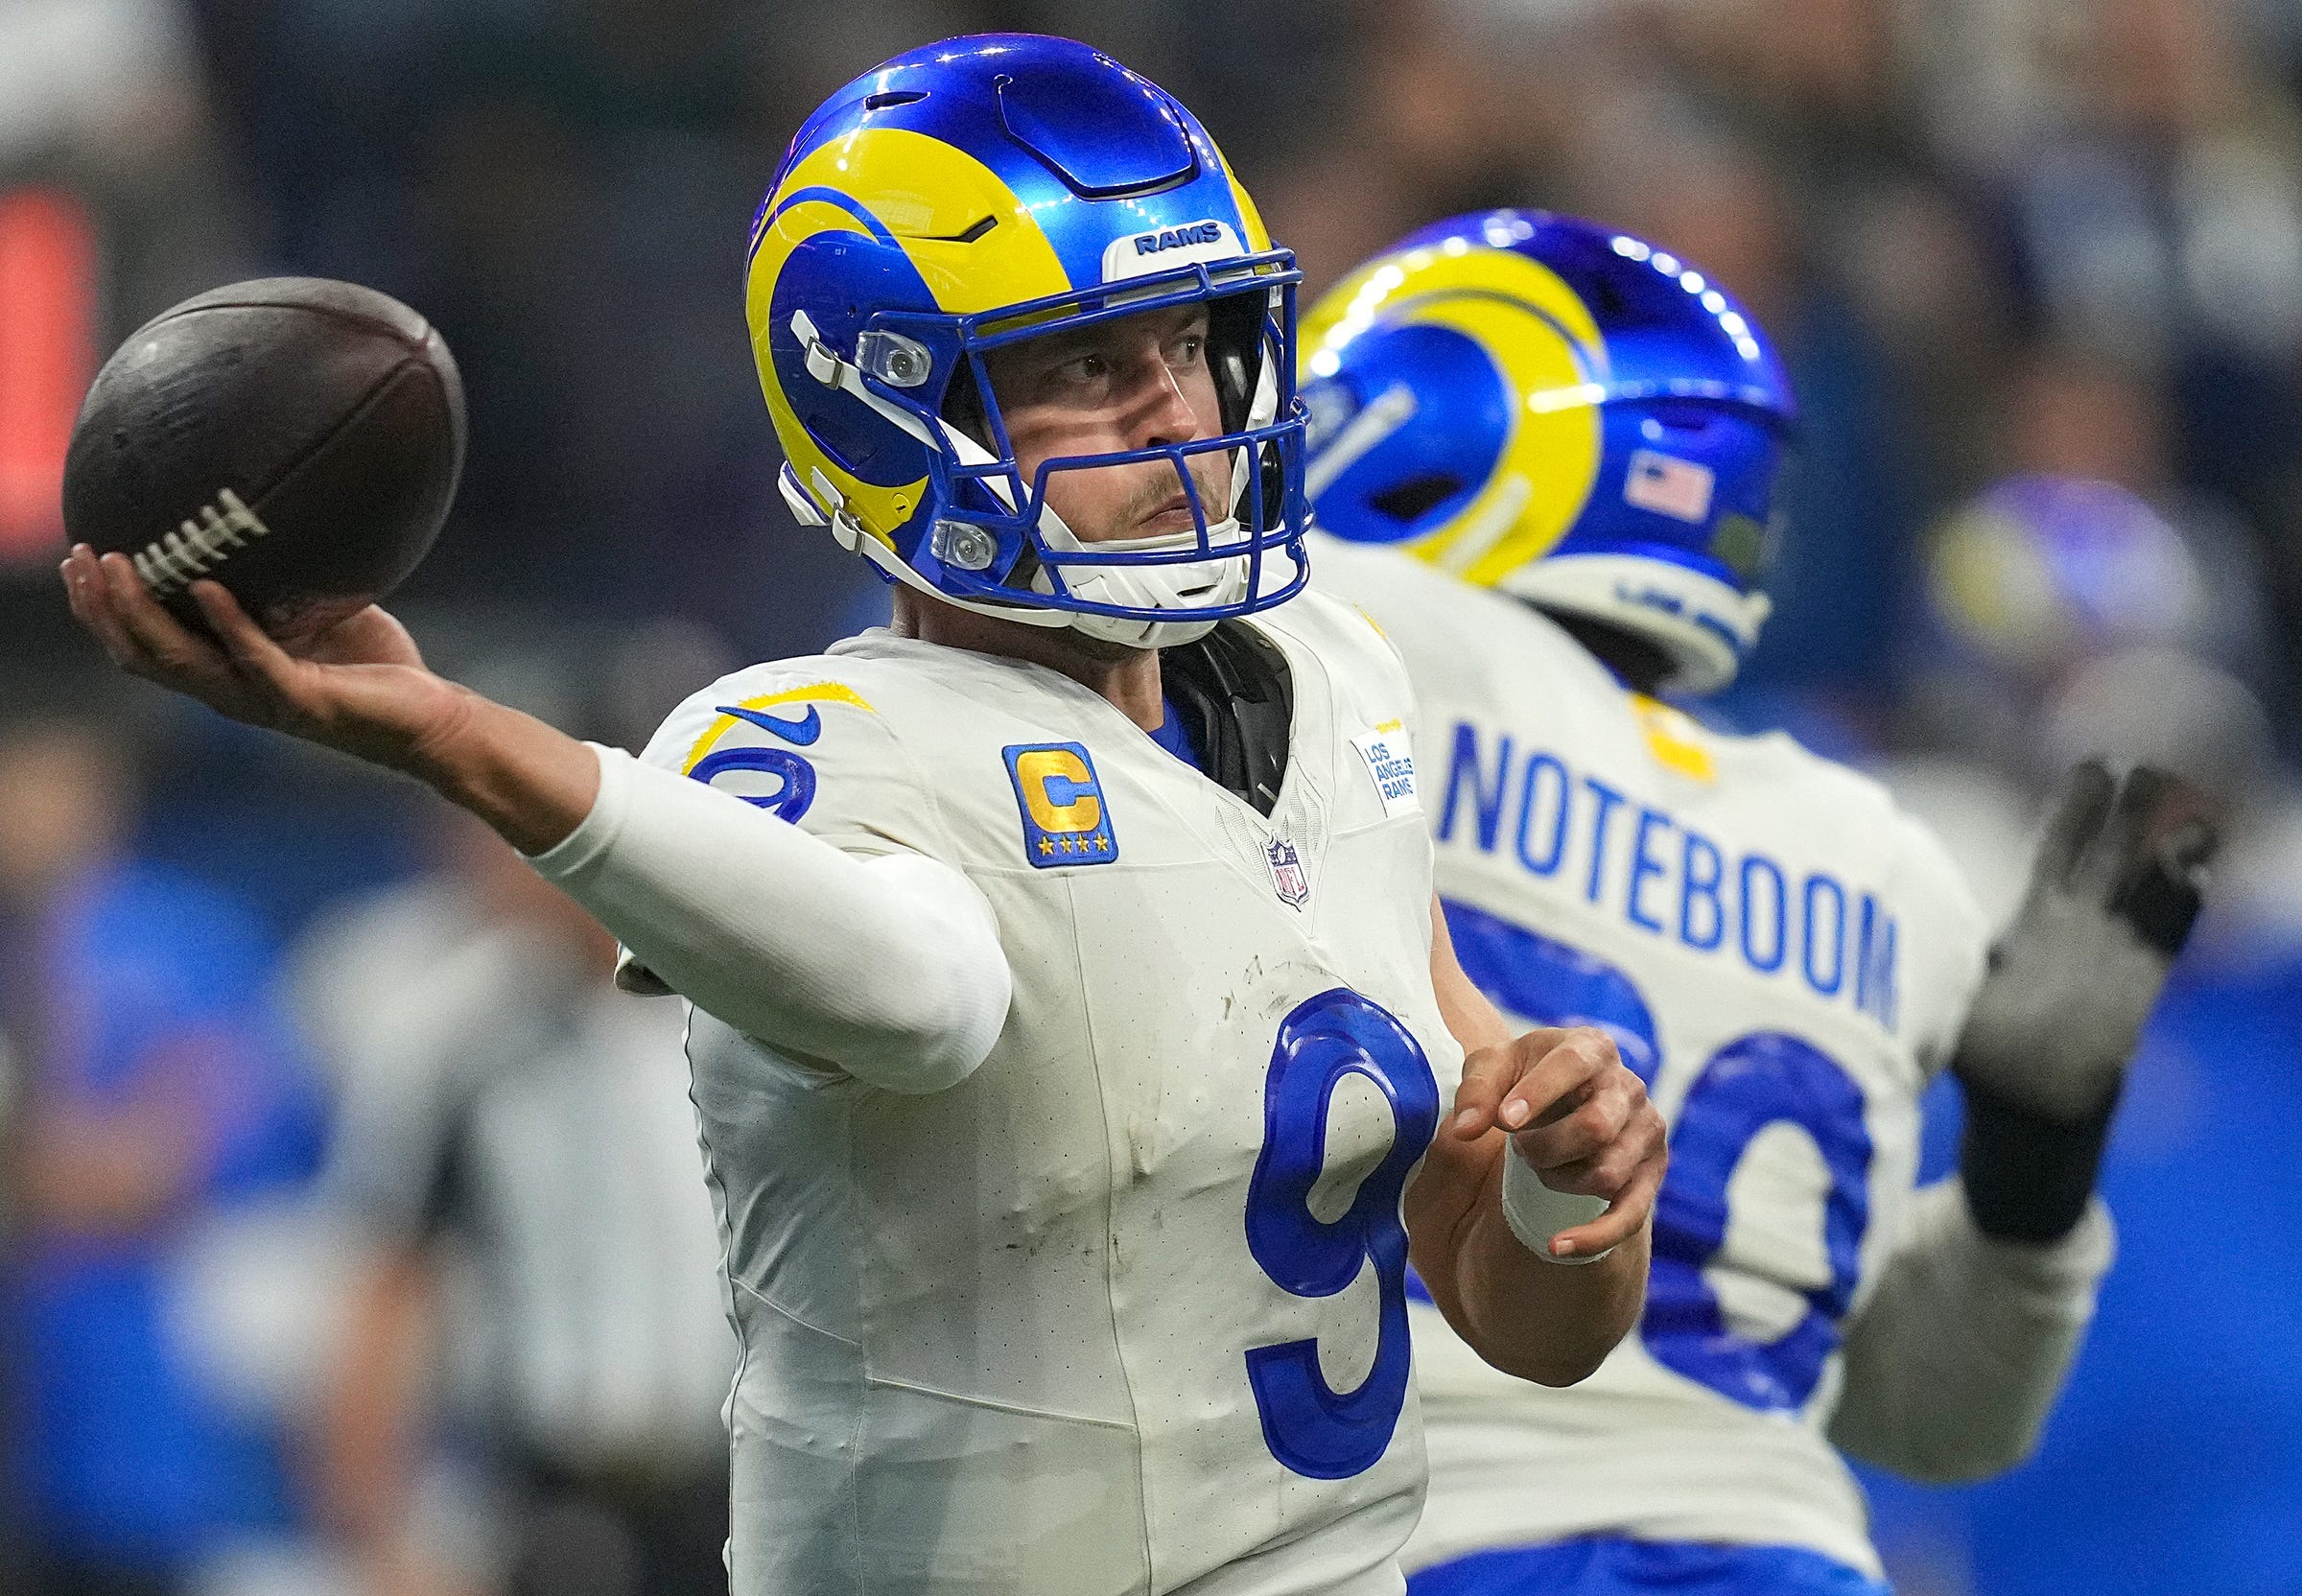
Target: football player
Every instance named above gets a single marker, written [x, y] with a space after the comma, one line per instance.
[1074, 1039]
[1554, 450]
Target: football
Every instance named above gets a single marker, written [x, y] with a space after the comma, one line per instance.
[295, 438]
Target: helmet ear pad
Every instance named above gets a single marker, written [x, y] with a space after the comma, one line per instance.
[1240, 357]
[962, 406]
[1235, 355]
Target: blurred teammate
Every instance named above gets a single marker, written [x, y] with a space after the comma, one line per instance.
[1570, 439]
[1069, 1017]
[158, 1091]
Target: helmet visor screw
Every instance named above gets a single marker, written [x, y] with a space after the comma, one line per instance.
[963, 547]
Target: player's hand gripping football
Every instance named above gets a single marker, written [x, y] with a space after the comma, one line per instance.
[1579, 1117]
[359, 687]
[2117, 883]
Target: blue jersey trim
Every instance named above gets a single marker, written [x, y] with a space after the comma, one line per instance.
[1175, 736]
[1615, 1565]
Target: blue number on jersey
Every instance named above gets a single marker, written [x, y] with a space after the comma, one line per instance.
[1311, 1428]
[1551, 984]
[789, 801]
[1763, 1079]
[1760, 1080]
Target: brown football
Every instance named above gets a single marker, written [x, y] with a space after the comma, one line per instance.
[296, 439]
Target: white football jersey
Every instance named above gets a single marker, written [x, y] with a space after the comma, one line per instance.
[1786, 958]
[1126, 1310]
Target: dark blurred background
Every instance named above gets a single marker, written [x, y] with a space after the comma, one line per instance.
[326, 1159]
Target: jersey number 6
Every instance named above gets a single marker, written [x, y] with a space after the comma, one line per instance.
[1310, 1428]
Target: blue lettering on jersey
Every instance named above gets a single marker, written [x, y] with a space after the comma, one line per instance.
[1465, 773]
[1608, 801]
[708, 761]
[1542, 791]
[1667, 879]
[1813, 942]
[1644, 866]
[1763, 904]
[1702, 868]
[789, 802]
[1766, 1078]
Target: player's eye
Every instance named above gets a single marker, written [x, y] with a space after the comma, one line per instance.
[1083, 370]
[1189, 349]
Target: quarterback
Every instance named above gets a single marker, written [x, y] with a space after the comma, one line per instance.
[1568, 438]
[1079, 1054]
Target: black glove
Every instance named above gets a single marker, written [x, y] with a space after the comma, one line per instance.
[2117, 885]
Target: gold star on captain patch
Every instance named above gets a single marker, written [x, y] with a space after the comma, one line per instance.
[1102, 842]
[1070, 846]
[1045, 847]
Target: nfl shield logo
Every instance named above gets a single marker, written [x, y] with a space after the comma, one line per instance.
[1288, 871]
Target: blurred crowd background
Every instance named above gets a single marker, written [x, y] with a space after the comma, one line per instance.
[350, 1234]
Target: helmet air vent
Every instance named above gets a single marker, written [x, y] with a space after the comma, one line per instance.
[888, 97]
[1106, 133]
[966, 235]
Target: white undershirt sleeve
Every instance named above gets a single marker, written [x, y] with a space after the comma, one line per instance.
[887, 965]
[1957, 1358]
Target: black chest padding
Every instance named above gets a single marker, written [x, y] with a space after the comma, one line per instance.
[1236, 699]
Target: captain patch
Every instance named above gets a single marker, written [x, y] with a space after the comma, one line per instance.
[1391, 765]
[1064, 818]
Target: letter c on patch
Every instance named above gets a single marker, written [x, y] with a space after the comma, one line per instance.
[1060, 790]
[1066, 820]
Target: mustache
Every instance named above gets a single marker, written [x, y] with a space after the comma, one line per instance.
[1210, 479]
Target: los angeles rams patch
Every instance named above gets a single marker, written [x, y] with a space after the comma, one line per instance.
[1066, 820]
[1392, 765]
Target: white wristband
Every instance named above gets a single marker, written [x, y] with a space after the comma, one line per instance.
[1535, 1214]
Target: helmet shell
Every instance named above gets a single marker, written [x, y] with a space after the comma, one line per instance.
[1550, 407]
[968, 193]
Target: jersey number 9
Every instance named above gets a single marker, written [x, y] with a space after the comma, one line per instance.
[1310, 1428]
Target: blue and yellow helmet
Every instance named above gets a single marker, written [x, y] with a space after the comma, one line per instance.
[974, 193]
[1556, 409]
[2037, 573]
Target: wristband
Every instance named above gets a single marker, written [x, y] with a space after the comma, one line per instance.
[2029, 1179]
[1535, 1214]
